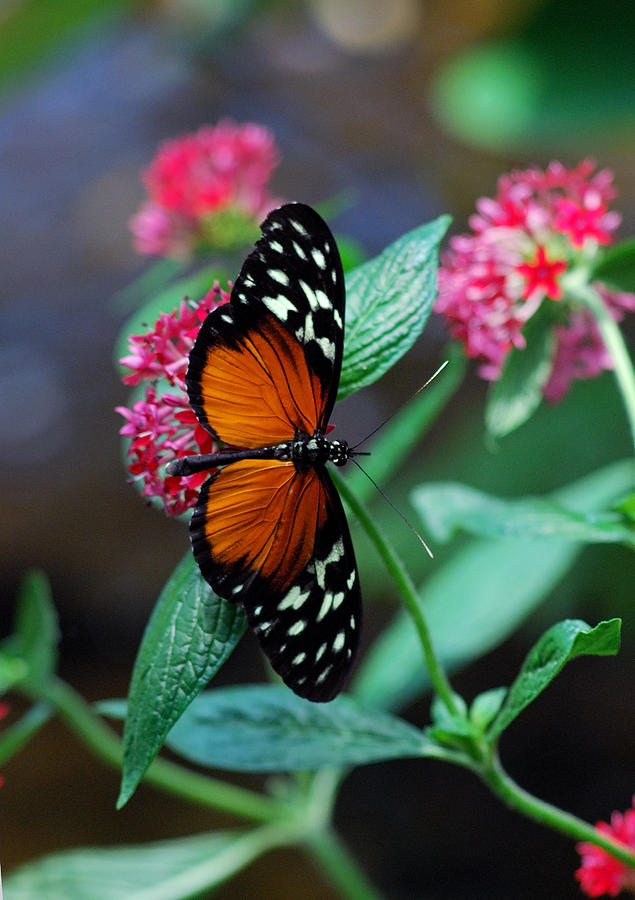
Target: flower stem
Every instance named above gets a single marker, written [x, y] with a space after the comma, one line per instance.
[614, 343]
[334, 859]
[407, 590]
[16, 737]
[165, 775]
[520, 800]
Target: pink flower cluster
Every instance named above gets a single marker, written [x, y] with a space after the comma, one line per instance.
[163, 426]
[600, 873]
[491, 282]
[195, 177]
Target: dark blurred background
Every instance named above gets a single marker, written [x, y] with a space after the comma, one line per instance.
[412, 109]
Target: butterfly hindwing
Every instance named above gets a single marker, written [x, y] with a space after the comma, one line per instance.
[311, 635]
[282, 331]
[295, 575]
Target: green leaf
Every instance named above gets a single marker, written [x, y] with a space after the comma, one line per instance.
[388, 302]
[161, 870]
[615, 267]
[560, 644]
[13, 669]
[626, 507]
[479, 597]
[517, 393]
[446, 507]
[36, 631]
[194, 286]
[267, 728]
[191, 633]
[485, 707]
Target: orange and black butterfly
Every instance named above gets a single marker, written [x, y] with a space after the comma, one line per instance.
[269, 531]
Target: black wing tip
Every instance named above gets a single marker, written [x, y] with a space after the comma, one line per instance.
[305, 214]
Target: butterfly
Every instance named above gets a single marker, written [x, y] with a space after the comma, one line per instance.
[269, 530]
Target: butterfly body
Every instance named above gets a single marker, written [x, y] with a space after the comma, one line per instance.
[269, 530]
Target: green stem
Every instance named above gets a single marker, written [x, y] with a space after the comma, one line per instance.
[165, 775]
[334, 859]
[406, 588]
[408, 426]
[614, 343]
[13, 739]
[520, 800]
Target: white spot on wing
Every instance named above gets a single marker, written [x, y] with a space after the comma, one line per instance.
[326, 346]
[299, 659]
[295, 598]
[279, 276]
[337, 600]
[299, 228]
[318, 256]
[297, 627]
[280, 306]
[339, 642]
[337, 552]
[326, 605]
[320, 653]
[322, 300]
[323, 675]
[298, 249]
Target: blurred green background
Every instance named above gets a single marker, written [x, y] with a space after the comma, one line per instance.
[411, 109]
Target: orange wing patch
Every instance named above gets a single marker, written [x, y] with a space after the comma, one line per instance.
[261, 517]
[259, 390]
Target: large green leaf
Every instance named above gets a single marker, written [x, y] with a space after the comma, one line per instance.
[267, 728]
[446, 507]
[190, 635]
[162, 870]
[479, 597]
[562, 643]
[517, 393]
[388, 302]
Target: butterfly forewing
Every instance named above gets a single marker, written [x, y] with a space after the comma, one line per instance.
[290, 296]
[249, 381]
[271, 534]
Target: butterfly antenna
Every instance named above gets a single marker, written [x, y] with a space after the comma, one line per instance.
[385, 422]
[396, 508]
